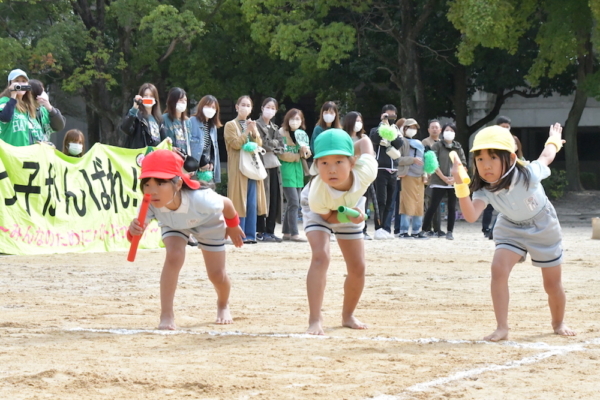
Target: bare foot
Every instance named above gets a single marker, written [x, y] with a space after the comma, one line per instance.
[497, 335]
[167, 324]
[352, 322]
[563, 330]
[224, 316]
[315, 328]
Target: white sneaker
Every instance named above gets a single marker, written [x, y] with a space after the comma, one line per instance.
[390, 235]
[381, 234]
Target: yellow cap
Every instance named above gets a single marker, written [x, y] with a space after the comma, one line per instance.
[494, 137]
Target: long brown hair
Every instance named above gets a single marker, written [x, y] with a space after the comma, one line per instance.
[26, 104]
[328, 106]
[175, 94]
[209, 100]
[505, 159]
[350, 121]
[156, 112]
[73, 136]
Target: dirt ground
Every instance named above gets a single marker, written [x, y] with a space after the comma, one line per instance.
[81, 326]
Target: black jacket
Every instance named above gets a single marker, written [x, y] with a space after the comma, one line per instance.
[138, 133]
[383, 159]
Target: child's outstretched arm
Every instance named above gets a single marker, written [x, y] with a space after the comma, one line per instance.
[232, 220]
[471, 209]
[363, 146]
[553, 145]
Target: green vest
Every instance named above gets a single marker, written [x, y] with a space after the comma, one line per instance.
[21, 130]
[292, 173]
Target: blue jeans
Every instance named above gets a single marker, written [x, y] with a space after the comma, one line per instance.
[248, 223]
[405, 221]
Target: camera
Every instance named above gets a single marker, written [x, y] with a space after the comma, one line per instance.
[18, 87]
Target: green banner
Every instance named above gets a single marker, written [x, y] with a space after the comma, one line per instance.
[53, 203]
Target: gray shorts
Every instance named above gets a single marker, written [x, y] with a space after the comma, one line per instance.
[313, 222]
[539, 236]
[210, 238]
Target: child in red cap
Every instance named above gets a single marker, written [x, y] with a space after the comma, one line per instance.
[181, 211]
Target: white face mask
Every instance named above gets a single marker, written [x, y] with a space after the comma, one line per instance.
[295, 124]
[244, 111]
[358, 126]
[328, 118]
[449, 135]
[150, 100]
[181, 107]
[209, 112]
[410, 132]
[75, 149]
[269, 113]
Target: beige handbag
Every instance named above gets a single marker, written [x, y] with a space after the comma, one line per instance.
[251, 165]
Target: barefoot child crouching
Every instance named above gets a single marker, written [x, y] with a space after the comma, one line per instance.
[527, 222]
[181, 211]
[341, 180]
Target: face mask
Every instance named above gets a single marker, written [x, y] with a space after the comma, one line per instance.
[181, 107]
[148, 102]
[449, 135]
[205, 176]
[75, 149]
[44, 95]
[209, 112]
[295, 124]
[358, 126]
[269, 113]
[503, 176]
[328, 118]
[244, 111]
[410, 132]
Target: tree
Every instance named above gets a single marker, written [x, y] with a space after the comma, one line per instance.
[564, 39]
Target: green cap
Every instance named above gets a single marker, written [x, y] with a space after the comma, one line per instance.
[334, 142]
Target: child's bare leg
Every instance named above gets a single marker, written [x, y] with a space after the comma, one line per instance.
[503, 262]
[556, 299]
[354, 255]
[215, 268]
[316, 279]
[174, 259]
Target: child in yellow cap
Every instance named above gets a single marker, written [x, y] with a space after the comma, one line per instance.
[183, 211]
[344, 170]
[527, 222]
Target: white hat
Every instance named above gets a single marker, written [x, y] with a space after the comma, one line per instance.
[15, 73]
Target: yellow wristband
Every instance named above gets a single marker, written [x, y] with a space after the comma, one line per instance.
[461, 190]
[557, 142]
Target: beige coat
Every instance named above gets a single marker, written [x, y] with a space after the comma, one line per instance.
[237, 184]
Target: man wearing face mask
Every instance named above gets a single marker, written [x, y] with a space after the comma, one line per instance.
[434, 129]
[387, 154]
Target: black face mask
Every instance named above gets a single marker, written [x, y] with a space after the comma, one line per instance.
[391, 120]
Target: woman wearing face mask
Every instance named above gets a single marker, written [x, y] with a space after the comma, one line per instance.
[48, 116]
[293, 170]
[273, 145]
[247, 195]
[410, 168]
[176, 122]
[442, 182]
[203, 138]
[328, 118]
[353, 125]
[74, 143]
[18, 123]
[143, 124]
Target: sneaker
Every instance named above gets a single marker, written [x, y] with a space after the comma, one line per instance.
[260, 237]
[491, 235]
[441, 234]
[286, 238]
[405, 236]
[431, 234]
[486, 232]
[298, 239]
[277, 239]
[449, 236]
[367, 237]
[192, 241]
[266, 237]
[249, 241]
[420, 235]
[381, 234]
[390, 235]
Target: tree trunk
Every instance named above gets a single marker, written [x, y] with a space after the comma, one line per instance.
[459, 101]
[408, 88]
[570, 135]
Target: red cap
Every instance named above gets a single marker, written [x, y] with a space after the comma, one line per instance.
[166, 164]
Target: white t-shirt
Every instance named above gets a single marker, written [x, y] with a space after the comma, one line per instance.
[322, 198]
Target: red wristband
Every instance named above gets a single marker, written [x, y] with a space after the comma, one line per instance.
[232, 222]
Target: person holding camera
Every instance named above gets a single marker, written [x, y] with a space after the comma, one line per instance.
[49, 117]
[143, 124]
[18, 123]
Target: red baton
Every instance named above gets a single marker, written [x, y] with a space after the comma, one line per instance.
[135, 240]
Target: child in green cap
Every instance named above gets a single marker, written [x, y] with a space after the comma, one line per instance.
[343, 171]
